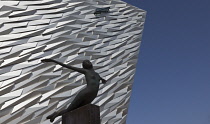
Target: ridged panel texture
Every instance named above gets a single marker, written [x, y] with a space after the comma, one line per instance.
[69, 32]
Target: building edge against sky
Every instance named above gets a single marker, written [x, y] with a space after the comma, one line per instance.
[67, 31]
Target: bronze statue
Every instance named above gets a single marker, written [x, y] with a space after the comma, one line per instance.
[85, 96]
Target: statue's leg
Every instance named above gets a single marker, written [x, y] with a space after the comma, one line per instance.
[60, 113]
[76, 103]
[52, 116]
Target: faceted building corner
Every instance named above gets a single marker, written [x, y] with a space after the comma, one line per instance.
[106, 32]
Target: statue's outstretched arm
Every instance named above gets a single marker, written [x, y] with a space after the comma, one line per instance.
[81, 70]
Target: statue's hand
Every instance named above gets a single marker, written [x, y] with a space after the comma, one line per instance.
[103, 81]
[47, 60]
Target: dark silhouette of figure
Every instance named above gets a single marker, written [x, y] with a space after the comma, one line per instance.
[101, 10]
[85, 96]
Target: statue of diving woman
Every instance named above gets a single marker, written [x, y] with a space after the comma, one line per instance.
[85, 96]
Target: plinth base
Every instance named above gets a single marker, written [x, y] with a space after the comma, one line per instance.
[88, 114]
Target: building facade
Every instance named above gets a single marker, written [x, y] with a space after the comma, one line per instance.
[70, 32]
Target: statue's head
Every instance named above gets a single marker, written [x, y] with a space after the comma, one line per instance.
[87, 64]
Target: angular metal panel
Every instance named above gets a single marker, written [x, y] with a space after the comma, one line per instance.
[67, 31]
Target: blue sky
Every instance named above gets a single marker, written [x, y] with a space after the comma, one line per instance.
[172, 81]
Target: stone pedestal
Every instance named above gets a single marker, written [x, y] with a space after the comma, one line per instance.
[88, 114]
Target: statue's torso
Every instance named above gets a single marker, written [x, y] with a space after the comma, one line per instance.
[92, 79]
